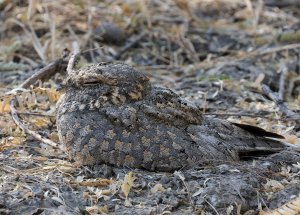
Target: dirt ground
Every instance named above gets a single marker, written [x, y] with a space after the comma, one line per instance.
[217, 54]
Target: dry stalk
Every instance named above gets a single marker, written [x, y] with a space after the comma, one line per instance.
[130, 45]
[281, 104]
[44, 73]
[283, 75]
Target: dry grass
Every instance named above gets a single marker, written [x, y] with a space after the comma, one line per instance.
[190, 46]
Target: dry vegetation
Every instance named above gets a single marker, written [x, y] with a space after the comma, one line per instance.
[216, 53]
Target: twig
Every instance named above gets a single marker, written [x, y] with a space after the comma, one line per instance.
[284, 71]
[254, 54]
[292, 84]
[212, 206]
[32, 114]
[258, 12]
[129, 45]
[44, 73]
[286, 3]
[14, 114]
[72, 62]
[158, 67]
[242, 114]
[280, 103]
[275, 49]
[182, 178]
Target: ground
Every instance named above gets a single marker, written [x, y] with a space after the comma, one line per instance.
[217, 54]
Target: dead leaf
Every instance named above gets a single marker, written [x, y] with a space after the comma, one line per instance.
[127, 203]
[292, 139]
[157, 188]
[27, 195]
[11, 142]
[127, 184]
[54, 137]
[52, 94]
[7, 124]
[96, 183]
[93, 210]
[229, 209]
[4, 107]
[290, 208]
[66, 169]
[273, 185]
[41, 122]
[86, 195]
[40, 158]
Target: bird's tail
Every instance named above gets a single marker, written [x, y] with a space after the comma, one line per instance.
[236, 141]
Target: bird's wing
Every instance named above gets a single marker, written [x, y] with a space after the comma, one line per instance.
[219, 137]
[243, 139]
[167, 106]
[236, 129]
[258, 131]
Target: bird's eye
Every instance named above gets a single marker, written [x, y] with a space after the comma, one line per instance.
[91, 83]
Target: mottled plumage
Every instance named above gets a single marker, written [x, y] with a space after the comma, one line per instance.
[112, 114]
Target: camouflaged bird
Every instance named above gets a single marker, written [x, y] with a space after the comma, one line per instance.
[111, 113]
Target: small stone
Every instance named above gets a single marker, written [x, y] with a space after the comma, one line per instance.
[109, 32]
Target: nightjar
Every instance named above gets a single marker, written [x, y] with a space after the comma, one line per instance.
[111, 113]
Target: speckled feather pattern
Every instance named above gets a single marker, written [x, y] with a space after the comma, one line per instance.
[110, 113]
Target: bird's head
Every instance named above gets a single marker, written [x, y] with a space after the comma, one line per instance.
[114, 77]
